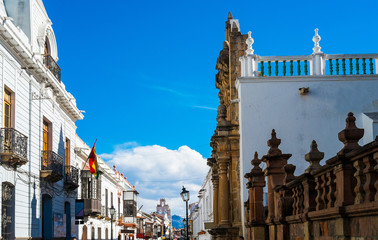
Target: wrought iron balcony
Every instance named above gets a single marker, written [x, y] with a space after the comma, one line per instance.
[71, 178]
[52, 66]
[52, 166]
[92, 207]
[13, 147]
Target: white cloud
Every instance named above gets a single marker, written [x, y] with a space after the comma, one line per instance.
[158, 172]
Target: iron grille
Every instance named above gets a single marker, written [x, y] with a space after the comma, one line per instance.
[71, 175]
[52, 66]
[52, 161]
[13, 142]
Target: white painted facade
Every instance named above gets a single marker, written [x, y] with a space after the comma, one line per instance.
[276, 102]
[38, 95]
[204, 211]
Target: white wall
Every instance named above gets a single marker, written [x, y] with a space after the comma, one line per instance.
[275, 103]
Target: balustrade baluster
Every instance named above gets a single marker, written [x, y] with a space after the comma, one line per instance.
[276, 68]
[344, 69]
[284, 67]
[330, 67]
[358, 175]
[370, 178]
[364, 66]
[305, 67]
[319, 193]
[357, 67]
[300, 198]
[337, 67]
[351, 66]
[299, 67]
[291, 68]
[331, 189]
[371, 66]
[295, 200]
[269, 68]
[262, 68]
[323, 186]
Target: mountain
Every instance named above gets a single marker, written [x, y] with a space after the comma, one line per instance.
[177, 222]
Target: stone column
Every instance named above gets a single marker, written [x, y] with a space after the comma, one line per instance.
[223, 200]
[255, 185]
[344, 171]
[275, 161]
[215, 180]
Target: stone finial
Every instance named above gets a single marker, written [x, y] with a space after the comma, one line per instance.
[350, 135]
[313, 157]
[249, 42]
[256, 162]
[273, 143]
[230, 16]
[316, 39]
[289, 173]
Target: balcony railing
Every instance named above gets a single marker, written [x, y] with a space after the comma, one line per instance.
[52, 166]
[71, 178]
[332, 64]
[13, 147]
[52, 66]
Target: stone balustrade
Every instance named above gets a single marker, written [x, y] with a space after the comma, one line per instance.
[337, 200]
[316, 64]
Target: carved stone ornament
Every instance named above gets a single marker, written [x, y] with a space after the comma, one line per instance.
[350, 135]
[273, 143]
[256, 162]
[313, 157]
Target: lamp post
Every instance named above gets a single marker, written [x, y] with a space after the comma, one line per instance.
[112, 211]
[185, 197]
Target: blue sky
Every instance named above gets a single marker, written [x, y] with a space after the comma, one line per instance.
[144, 71]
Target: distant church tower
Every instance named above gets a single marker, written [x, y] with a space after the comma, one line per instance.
[163, 208]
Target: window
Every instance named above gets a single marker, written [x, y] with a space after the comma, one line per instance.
[111, 199]
[7, 109]
[99, 234]
[67, 153]
[106, 202]
[47, 47]
[90, 185]
[129, 208]
[46, 141]
[93, 234]
[119, 206]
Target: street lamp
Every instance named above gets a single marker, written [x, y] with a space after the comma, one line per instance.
[185, 197]
[112, 212]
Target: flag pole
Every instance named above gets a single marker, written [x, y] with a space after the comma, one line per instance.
[89, 155]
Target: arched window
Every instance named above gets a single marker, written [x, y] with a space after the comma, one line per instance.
[47, 47]
[99, 234]
[7, 211]
[93, 234]
[106, 234]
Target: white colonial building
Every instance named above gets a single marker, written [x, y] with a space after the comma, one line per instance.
[303, 98]
[204, 210]
[41, 156]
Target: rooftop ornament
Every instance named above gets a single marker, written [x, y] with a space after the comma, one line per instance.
[316, 39]
[249, 42]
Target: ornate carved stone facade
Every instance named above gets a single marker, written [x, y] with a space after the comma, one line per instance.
[225, 141]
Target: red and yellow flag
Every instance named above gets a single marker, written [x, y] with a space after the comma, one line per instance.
[93, 166]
